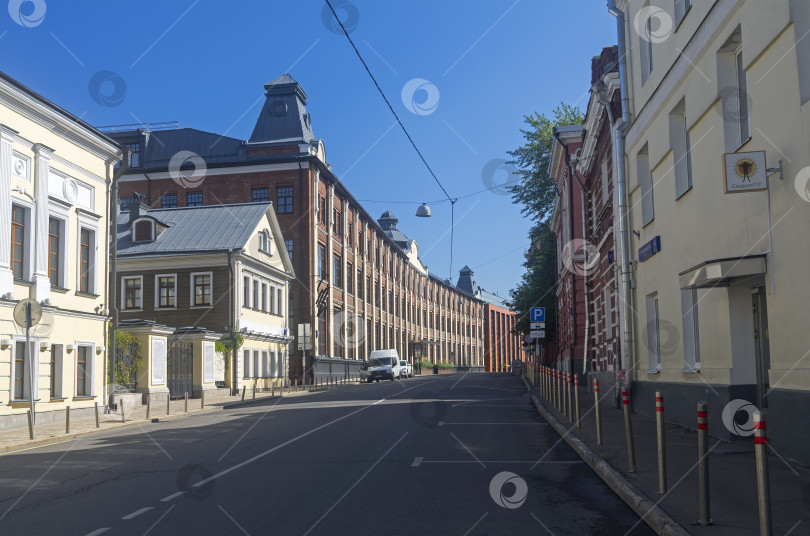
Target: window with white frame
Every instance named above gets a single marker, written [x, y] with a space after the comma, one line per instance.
[681, 149]
[645, 181]
[166, 291]
[691, 330]
[246, 291]
[264, 296]
[246, 363]
[132, 292]
[645, 41]
[201, 283]
[256, 302]
[605, 181]
[56, 370]
[265, 364]
[272, 300]
[21, 241]
[256, 369]
[280, 364]
[733, 92]
[273, 366]
[265, 242]
[84, 370]
[653, 333]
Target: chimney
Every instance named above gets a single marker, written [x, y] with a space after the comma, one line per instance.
[137, 207]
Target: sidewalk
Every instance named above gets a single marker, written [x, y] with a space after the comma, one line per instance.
[54, 432]
[733, 487]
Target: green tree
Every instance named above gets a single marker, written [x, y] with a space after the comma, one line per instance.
[536, 192]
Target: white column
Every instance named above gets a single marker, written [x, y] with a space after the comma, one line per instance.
[42, 283]
[7, 137]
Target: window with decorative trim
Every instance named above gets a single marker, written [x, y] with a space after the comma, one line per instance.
[132, 292]
[166, 289]
[201, 289]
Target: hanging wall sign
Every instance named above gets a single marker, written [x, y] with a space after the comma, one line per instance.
[745, 172]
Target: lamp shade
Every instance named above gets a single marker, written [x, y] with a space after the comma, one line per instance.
[423, 211]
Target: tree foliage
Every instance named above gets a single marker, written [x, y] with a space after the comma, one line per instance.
[536, 190]
[536, 193]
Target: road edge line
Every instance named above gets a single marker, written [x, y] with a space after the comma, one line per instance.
[653, 515]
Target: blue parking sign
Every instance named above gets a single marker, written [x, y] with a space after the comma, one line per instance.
[538, 314]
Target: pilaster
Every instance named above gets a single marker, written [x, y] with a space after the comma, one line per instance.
[42, 283]
[7, 137]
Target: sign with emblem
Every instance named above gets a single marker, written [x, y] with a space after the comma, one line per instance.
[745, 172]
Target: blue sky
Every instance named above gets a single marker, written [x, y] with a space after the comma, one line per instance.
[484, 65]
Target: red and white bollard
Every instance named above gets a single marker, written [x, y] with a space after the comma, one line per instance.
[596, 410]
[662, 451]
[628, 429]
[703, 462]
[763, 480]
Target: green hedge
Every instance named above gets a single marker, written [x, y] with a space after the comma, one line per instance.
[444, 365]
[425, 363]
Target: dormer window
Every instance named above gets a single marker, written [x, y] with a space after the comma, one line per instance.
[143, 231]
[265, 242]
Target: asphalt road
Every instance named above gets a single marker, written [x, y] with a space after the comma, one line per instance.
[449, 455]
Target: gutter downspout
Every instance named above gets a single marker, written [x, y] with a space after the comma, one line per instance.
[113, 215]
[626, 310]
[585, 276]
[231, 327]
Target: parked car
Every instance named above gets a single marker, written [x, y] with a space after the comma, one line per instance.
[383, 365]
[407, 369]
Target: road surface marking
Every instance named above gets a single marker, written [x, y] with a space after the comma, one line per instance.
[37, 447]
[172, 496]
[293, 440]
[476, 523]
[99, 531]
[137, 513]
[417, 461]
[159, 520]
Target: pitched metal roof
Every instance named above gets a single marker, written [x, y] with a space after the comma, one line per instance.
[284, 118]
[213, 148]
[195, 229]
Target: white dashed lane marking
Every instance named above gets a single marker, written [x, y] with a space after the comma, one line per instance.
[99, 531]
[138, 512]
[172, 496]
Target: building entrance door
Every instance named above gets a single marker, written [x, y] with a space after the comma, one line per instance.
[761, 345]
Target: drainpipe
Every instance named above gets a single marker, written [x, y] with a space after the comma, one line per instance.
[113, 215]
[626, 311]
[231, 315]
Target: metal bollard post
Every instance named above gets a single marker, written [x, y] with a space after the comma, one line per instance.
[67, 419]
[763, 480]
[185, 406]
[703, 462]
[628, 429]
[596, 411]
[148, 406]
[553, 379]
[30, 425]
[662, 446]
[273, 390]
[254, 394]
[559, 392]
[168, 403]
[202, 398]
[568, 402]
[123, 412]
[565, 393]
[244, 389]
[576, 400]
[98, 424]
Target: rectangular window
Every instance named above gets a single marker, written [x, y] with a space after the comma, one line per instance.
[284, 200]
[349, 233]
[273, 367]
[645, 41]
[167, 290]
[260, 195]
[653, 341]
[681, 8]
[349, 278]
[246, 364]
[194, 199]
[168, 201]
[337, 223]
[691, 330]
[82, 358]
[321, 261]
[264, 299]
[289, 245]
[272, 300]
[132, 292]
[337, 265]
[645, 180]
[56, 370]
[742, 99]
[256, 302]
[246, 292]
[201, 289]
[18, 216]
[280, 304]
[20, 368]
[681, 149]
[322, 209]
[605, 182]
[134, 154]
[256, 369]
[85, 264]
[54, 246]
[265, 364]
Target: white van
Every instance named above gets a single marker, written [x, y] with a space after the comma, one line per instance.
[383, 365]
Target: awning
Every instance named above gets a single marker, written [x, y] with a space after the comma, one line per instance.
[722, 272]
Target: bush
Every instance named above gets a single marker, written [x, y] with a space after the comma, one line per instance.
[425, 363]
[444, 365]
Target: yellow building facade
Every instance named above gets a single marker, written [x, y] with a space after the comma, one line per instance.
[55, 176]
[720, 275]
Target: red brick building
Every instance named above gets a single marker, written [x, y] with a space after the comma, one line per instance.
[359, 282]
[568, 223]
[595, 165]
